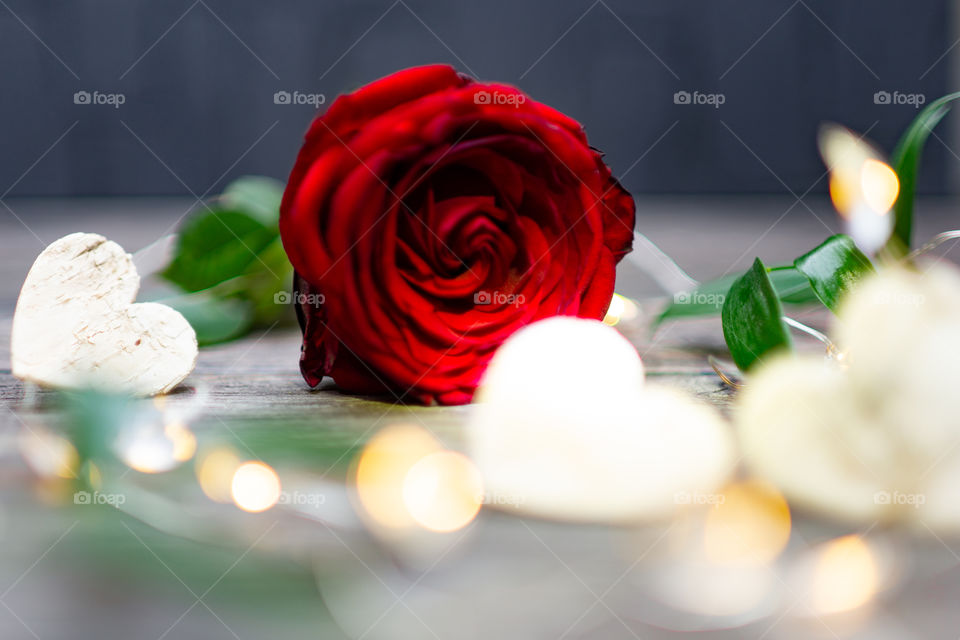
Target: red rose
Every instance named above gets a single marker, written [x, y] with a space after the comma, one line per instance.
[430, 216]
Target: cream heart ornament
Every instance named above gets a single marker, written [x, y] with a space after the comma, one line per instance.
[77, 326]
[566, 428]
[877, 439]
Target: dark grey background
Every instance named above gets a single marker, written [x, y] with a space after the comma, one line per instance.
[199, 78]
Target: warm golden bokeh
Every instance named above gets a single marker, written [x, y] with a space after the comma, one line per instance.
[879, 184]
[443, 491]
[844, 190]
[845, 575]
[215, 473]
[621, 308]
[382, 470]
[868, 180]
[184, 442]
[156, 447]
[863, 187]
[750, 526]
[255, 487]
[48, 454]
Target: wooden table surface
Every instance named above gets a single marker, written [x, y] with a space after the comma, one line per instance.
[523, 579]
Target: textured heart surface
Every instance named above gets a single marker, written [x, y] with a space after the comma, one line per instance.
[76, 324]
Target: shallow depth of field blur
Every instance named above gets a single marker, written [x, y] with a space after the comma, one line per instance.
[246, 507]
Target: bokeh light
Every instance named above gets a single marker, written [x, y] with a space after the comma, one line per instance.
[844, 190]
[382, 470]
[621, 308]
[845, 575]
[184, 442]
[149, 454]
[151, 445]
[863, 187]
[749, 526]
[215, 471]
[879, 184]
[48, 454]
[443, 491]
[255, 487]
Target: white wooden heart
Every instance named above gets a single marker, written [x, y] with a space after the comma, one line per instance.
[76, 324]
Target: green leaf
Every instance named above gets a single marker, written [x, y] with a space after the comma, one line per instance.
[833, 267]
[257, 196]
[93, 419]
[214, 319]
[906, 162]
[752, 318]
[791, 286]
[707, 299]
[264, 279]
[214, 246]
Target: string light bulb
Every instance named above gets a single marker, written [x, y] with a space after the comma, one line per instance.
[863, 187]
[255, 487]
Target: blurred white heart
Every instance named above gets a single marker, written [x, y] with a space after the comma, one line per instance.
[565, 426]
[879, 437]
